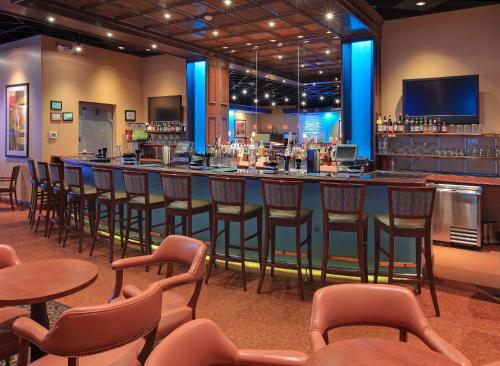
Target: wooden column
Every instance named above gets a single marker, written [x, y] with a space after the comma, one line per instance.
[217, 100]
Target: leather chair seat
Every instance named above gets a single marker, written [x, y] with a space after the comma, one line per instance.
[195, 205]
[118, 196]
[402, 224]
[87, 190]
[337, 218]
[235, 210]
[125, 355]
[153, 199]
[289, 214]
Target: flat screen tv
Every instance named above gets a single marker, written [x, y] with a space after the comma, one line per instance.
[167, 108]
[454, 99]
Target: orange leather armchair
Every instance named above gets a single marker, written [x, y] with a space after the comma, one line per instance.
[201, 343]
[121, 333]
[8, 340]
[176, 310]
[373, 304]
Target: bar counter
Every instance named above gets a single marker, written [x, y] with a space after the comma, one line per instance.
[342, 244]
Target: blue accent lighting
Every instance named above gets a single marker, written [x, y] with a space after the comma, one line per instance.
[319, 125]
[196, 75]
[232, 124]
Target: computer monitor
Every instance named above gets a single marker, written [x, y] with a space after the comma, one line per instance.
[346, 153]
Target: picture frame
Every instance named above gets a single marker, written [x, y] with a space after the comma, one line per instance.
[67, 116]
[130, 115]
[55, 116]
[240, 127]
[17, 120]
[55, 105]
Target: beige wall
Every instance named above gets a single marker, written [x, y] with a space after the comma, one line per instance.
[445, 44]
[98, 76]
[20, 63]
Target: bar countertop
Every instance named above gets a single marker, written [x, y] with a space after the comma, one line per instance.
[376, 178]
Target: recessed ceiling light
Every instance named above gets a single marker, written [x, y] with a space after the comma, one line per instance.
[167, 15]
[421, 3]
[109, 34]
[121, 47]
[303, 102]
[300, 37]
[302, 65]
[329, 15]
[314, 84]
[267, 75]
[327, 52]
[78, 49]
[244, 91]
[233, 51]
[337, 101]
[147, 49]
[286, 100]
[280, 57]
[51, 19]
[321, 97]
[320, 72]
[234, 97]
[225, 47]
[154, 46]
[280, 44]
[284, 80]
[215, 33]
[328, 32]
[273, 104]
[247, 71]
[336, 37]
[266, 95]
[273, 40]
[248, 44]
[227, 2]
[255, 100]
[271, 23]
[304, 94]
[208, 17]
[336, 79]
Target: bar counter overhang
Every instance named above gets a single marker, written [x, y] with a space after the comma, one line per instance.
[343, 244]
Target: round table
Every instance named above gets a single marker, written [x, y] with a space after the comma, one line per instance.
[375, 351]
[35, 283]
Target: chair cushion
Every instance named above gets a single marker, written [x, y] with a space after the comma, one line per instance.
[195, 204]
[289, 214]
[125, 355]
[86, 190]
[337, 218]
[118, 195]
[403, 224]
[235, 210]
[153, 199]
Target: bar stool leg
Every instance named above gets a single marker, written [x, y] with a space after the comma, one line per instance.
[391, 258]
[111, 229]
[97, 219]
[309, 249]
[265, 254]
[48, 209]
[213, 245]
[127, 230]
[147, 236]
[299, 262]
[259, 239]
[61, 216]
[227, 232]
[376, 263]
[81, 207]
[418, 260]
[326, 249]
[40, 209]
[273, 248]
[365, 249]
[120, 217]
[430, 274]
[140, 228]
[361, 254]
[242, 253]
[184, 225]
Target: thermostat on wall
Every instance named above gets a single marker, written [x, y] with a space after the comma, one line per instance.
[53, 135]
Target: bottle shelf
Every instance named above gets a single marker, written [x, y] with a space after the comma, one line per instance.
[166, 132]
[428, 134]
[427, 156]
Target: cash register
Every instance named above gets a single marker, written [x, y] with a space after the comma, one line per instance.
[346, 157]
[182, 153]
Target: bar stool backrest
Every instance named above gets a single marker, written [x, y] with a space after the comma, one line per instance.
[56, 175]
[13, 177]
[411, 203]
[281, 194]
[227, 191]
[32, 170]
[136, 184]
[104, 181]
[74, 178]
[176, 187]
[43, 171]
[342, 198]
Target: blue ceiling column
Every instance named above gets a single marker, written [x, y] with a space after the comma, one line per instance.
[197, 103]
[357, 94]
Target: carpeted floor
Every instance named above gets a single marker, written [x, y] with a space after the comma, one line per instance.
[277, 318]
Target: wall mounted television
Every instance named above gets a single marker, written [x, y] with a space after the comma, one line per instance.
[168, 108]
[454, 99]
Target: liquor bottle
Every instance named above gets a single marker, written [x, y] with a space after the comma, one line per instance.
[440, 126]
[384, 125]
[426, 126]
[379, 124]
[407, 128]
[401, 128]
[434, 125]
[421, 124]
[390, 125]
[444, 129]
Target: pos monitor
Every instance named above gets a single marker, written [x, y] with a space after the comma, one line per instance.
[346, 153]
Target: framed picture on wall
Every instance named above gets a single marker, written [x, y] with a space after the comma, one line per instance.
[67, 116]
[129, 115]
[17, 120]
[55, 105]
[55, 117]
[240, 126]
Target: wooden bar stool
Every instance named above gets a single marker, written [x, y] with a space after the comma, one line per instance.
[410, 216]
[8, 186]
[343, 210]
[109, 197]
[228, 205]
[46, 196]
[59, 213]
[282, 207]
[140, 200]
[35, 191]
[81, 203]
